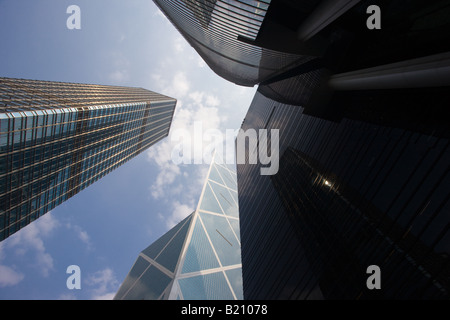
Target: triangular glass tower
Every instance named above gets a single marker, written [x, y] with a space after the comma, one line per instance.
[199, 258]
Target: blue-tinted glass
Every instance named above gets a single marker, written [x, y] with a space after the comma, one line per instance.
[235, 196]
[209, 202]
[138, 268]
[223, 239]
[229, 182]
[199, 255]
[150, 286]
[225, 199]
[235, 278]
[235, 225]
[206, 287]
[230, 178]
[232, 167]
[214, 175]
[170, 255]
[155, 248]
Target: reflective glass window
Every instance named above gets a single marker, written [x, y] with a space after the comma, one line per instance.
[150, 286]
[206, 287]
[225, 199]
[235, 278]
[209, 202]
[199, 255]
[223, 239]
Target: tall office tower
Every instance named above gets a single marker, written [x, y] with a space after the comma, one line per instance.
[369, 45]
[348, 195]
[303, 52]
[230, 36]
[363, 177]
[58, 138]
[199, 258]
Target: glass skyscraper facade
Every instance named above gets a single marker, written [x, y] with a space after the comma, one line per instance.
[363, 144]
[408, 31]
[58, 138]
[302, 52]
[199, 258]
[225, 32]
[348, 194]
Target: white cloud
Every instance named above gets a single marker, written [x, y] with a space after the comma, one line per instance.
[103, 284]
[201, 176]
[179, 212]
[196, 96]
[177, 86]
[212, 101]
[197, 111]
[67, 296]
[202, 97]
[120, 67]
[9, 277]
[81, 234]
[106, 296]
[158, 13]
[200, 62]
[191, 191]
[179, 44]
[30, 240]
[192, 119]
[167, 175]
[180, 85]
[119, 76]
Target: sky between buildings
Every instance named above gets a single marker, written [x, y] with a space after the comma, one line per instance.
[103, 228]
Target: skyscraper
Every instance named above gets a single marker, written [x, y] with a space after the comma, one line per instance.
[199, 258]
[349, 194]
[302, 52]
[58, 138]
[227, 35]
[361, 111]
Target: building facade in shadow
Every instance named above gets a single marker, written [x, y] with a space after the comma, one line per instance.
[347, 195]
[365, 107]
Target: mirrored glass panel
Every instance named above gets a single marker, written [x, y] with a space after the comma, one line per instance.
[200, 254]
[209, 202]
[206, 287]
[223, 239]
[150, 286]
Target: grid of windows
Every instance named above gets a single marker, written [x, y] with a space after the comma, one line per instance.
[352, 233]
[381, 192]
[213, 27]
[54, 145]
[201, 254]
[20, 95]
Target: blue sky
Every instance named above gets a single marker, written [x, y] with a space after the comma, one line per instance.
[103, 228]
